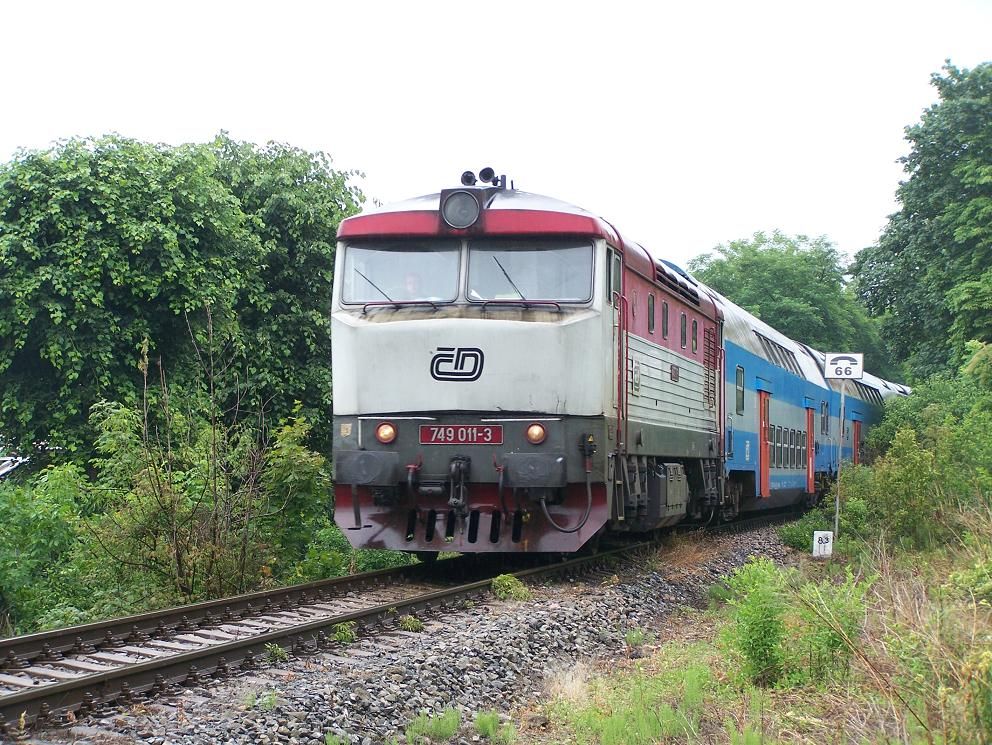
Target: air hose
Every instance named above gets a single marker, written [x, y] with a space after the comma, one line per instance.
[585, 517]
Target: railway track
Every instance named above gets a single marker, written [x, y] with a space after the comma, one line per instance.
[51, 677]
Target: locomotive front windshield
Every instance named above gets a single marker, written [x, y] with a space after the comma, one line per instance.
[513, 269]
[530, 269]
[401, 271]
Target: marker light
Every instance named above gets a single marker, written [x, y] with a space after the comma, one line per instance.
[385, 433]
[460, 209]
[536, 434]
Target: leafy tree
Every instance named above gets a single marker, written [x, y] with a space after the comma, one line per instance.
[294, 201]
[930, 276]
[110, 245]
[105, 243]
[795, 284]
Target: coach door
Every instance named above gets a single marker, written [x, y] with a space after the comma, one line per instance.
[809, 450]
[856, 442]
[764, 446]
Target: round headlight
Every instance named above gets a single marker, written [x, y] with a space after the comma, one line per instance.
[460, 209]
[536, 434]
[385, 433]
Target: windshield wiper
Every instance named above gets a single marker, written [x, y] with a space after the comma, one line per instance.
[377, 286]
[512, 283]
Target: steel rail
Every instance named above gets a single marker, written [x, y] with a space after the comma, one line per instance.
[16, 649]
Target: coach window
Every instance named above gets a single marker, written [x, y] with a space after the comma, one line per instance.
[792, 448]
[664, 320]
[803, 454]
[683, 329]
[695, 335]
[650, 313]
[778, 446]
[740, 389]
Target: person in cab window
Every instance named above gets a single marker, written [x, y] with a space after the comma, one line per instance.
[412, 286]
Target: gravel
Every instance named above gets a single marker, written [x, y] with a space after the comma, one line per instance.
[494, 655]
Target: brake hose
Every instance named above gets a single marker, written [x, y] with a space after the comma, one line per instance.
[585, 517]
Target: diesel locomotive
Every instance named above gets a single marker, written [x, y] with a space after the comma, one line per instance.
[511, 374]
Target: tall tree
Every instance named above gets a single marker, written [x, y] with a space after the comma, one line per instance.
[110, 246]
[930, 276]
[795, 284]
[294, 200]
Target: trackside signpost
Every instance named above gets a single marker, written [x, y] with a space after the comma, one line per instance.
[842, 366]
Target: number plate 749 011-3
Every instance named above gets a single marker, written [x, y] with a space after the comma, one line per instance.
[461, 434]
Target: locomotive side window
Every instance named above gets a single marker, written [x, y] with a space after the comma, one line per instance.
[740, 389]
[609, 277]
[664, 320]
[401, 271]
[695, 335]
[518, 269]
[650, 312]
[683, 329]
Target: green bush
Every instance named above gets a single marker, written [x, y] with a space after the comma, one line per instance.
[829, 617]
[975, 580]
[759, 620]
[508, 587]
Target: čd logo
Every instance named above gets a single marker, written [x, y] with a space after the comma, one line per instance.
[457, 363]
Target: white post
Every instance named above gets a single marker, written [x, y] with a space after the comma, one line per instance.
[840, 459]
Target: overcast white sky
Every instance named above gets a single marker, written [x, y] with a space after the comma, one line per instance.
[684, 124]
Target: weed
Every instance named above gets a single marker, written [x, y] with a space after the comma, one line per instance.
[268, 701]
[275, 653]
[488, 726]
[440, 727]
[344, 632]
[411, 623]
[330, 739]
[635, 637]
[506, 586]
[251, 699]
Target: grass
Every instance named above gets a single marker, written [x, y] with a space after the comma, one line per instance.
[508, 587]
[635, 638]
[269, 701]
[434, 728]
[487, 724]
[905, 656]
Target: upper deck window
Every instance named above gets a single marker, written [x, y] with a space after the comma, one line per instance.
[530, 269]
[401, 271]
